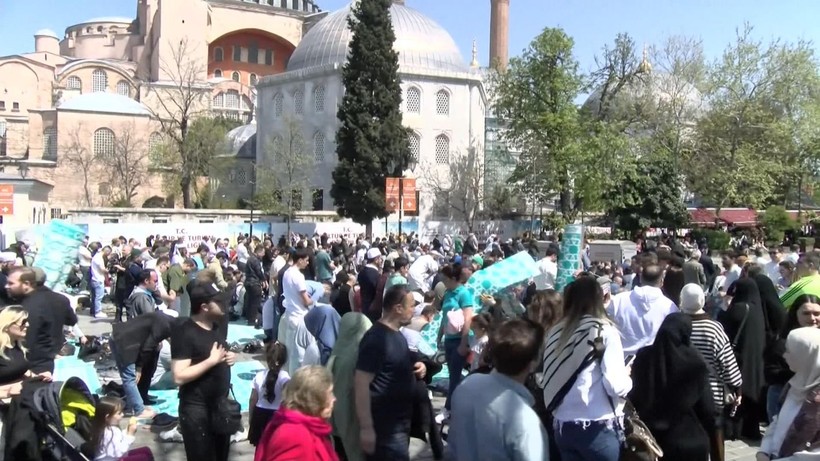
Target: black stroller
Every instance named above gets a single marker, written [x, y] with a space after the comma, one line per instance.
[58, 442]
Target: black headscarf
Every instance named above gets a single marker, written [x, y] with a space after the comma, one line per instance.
[669, 375]
[773, 310]
[752, 339]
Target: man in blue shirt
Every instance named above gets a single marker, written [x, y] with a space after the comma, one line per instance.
[492, 415]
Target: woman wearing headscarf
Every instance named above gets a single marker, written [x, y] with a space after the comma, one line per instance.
[342, 364]
[796, 428]
[670, 390]
[711, 341]
[323, 323]
[745, 326]
[805, 312]
[773, 310]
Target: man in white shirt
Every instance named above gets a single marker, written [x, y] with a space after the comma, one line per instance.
[84, 260]
[98, 274]
[297, 302]
[638, 314]
[772, 268]
[421, 273]
[731, 273]
[547, 270]
[242, 254]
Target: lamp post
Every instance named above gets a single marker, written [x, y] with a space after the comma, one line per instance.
[253, 195]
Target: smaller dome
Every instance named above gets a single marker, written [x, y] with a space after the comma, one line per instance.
[46, 33]
[242, 141]
[120, 19]
[106, 103]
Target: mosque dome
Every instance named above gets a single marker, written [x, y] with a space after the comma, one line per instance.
[653, 88]
[45, 33]
[422, 43]
[242, 141]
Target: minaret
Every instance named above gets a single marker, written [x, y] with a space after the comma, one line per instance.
[499, 33]
[474, 63]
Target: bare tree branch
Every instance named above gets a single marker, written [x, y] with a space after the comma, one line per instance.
[128, 165]
[81, 160]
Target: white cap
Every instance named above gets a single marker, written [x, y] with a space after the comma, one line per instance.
[373, 253]
[8, 257]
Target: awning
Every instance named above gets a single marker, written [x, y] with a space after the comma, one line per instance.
[743, 217]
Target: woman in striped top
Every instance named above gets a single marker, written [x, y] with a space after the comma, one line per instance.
[711, 341]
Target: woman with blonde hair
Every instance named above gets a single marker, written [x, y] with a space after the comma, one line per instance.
[14, 367]
[299, 430]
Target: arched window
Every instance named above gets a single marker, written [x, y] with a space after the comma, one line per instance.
[74, 83]
[99, 81]
[319, 146]
[218, 73]
[415, 147]
[50, 143]
[154, 143]
[104, 143]
[219, 100]
[123, 88]
[413, 100]
[298, 102]
[319, 98]
[275, 149]
[232, 99]
[219, 54]
[442, 149]
[235, 76]
[278, 104]
[443, 103]
[254, 79]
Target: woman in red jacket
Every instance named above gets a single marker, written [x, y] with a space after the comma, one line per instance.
[299, 430]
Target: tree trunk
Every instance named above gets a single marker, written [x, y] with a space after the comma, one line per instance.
[368, 230]
[185, 185]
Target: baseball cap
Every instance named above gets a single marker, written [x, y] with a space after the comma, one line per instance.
[202, 292]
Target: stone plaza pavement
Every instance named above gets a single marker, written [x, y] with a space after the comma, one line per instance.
[243, 451]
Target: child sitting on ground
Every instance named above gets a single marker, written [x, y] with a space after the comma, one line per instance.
[108, 442]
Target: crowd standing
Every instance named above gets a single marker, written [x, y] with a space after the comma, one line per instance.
[697, 354]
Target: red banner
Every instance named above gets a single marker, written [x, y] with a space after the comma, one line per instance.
[6, 199]
[408, 195]
[391, 194]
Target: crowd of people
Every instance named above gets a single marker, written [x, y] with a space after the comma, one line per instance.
[355, 333]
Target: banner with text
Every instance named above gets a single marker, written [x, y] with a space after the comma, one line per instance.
[192, 233]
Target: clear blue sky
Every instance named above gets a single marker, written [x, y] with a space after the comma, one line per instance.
[592, 23]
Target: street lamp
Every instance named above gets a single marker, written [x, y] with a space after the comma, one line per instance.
[253, 195]
[23, 170]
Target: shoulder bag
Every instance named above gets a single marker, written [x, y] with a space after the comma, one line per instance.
[227, 418]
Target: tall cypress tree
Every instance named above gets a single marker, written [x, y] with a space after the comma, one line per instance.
[371, 136]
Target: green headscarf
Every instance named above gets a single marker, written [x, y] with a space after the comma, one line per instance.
[342, 365]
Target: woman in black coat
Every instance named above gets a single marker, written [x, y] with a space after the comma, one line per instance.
[745, 325]
[670, 391]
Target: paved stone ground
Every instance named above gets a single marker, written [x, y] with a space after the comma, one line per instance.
[243, 451]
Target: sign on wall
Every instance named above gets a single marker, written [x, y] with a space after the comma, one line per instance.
[6, 199]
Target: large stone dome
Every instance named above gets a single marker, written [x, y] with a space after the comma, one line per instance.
[242, 141]
[654, 88]
[422, 43]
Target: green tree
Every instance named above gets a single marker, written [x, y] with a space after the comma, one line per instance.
[371, 136]
[650, 196]
[776, 221]
[535, 97]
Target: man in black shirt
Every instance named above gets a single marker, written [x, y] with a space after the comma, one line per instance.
[201, 367]
[135, 345]
[369, 280]
[255, 282]
[384, 381]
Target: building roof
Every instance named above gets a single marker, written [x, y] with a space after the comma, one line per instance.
[421, 42]
[108, 103]
[242, 141]
[46, 33]
[121, 19]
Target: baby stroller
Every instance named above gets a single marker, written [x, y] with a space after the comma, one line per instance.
[62, 414]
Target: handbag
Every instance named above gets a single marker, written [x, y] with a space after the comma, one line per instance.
[455, 322]
[227, 419]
